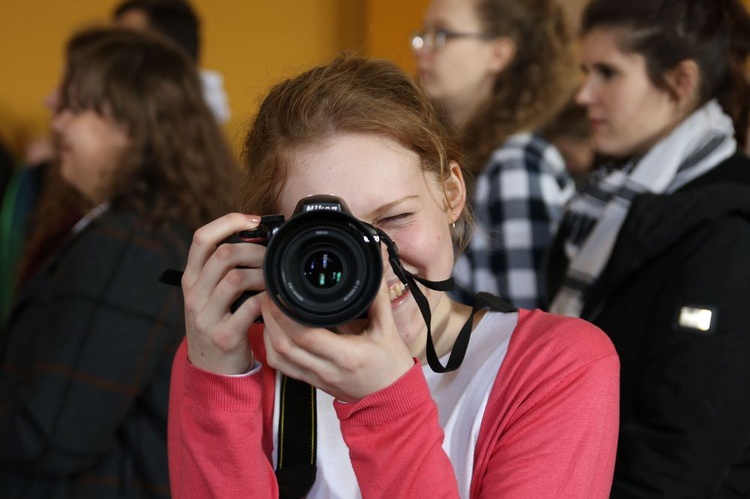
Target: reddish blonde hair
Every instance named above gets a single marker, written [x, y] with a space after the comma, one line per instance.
[349, 95]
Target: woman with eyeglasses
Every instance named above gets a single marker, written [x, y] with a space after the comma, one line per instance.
[500, 70]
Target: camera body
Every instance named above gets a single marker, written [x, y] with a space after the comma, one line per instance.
[323, 267]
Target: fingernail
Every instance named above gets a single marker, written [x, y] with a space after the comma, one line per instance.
[254, 219]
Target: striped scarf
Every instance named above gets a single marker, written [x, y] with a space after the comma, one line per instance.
[595, 214]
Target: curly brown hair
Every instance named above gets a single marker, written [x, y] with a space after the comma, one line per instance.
[349, 95]
[178, 165]
[535, 85]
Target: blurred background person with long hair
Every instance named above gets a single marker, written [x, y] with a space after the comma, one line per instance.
[87, 351]
[500, 70]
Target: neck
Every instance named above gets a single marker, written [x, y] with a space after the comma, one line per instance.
[462, 111]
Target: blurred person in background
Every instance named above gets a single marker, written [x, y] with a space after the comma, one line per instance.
[178, 21]
[86, 354]
[570, 132]
[500, 70]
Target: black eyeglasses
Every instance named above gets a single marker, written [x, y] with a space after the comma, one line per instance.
[436, 39]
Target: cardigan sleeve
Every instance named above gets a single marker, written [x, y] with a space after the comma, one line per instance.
[395, 441]
[216, 435]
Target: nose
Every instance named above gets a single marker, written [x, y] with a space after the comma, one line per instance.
[59, 121]
[585, 94]
[420, 53]
[52, 99]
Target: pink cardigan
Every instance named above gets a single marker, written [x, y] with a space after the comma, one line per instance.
[549, 428]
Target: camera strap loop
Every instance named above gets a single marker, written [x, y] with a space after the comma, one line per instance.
[297, 443]
[482, 301]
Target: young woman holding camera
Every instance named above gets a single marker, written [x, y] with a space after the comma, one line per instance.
[655, 249]
[530, 412]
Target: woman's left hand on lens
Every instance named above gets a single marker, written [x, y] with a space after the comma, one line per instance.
[347, 366]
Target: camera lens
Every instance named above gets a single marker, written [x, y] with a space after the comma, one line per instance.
[323, 269]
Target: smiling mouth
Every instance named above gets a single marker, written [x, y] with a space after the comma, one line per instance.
[397, 290]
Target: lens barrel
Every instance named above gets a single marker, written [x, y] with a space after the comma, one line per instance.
[323, 268]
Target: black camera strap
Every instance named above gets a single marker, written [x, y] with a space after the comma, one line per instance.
[297, 442]
[482, 301]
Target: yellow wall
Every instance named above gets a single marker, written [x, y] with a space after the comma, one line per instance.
[252, 43]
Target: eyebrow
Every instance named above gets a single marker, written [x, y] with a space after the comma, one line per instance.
[598, 66]
[604, 65]
[378, 212]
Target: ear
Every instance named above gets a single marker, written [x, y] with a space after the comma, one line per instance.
[503, 53]
[455, 192]
[684, 79]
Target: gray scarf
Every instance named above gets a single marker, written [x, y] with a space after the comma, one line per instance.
[698, 144]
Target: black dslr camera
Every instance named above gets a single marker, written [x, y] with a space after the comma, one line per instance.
[323, 267]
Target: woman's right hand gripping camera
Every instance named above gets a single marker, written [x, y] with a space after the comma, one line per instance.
[215, 276]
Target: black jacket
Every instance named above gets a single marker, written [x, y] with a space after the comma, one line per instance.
[85, 364]
[685, 393]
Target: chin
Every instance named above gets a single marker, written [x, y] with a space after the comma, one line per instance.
[431, 89]
[406, 315]
[609, 146]
[608, 149]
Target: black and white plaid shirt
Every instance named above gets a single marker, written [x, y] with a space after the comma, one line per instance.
[518, 202]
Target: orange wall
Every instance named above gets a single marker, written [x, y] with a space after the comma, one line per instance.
[390, 24]
[252, 43]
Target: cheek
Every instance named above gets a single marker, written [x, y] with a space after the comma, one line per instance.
[640, 122]
[451, 72]
[464, 74]
[85, 148]
[430, 252]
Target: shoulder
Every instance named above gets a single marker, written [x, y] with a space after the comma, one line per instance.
[700, 210]
[558, 344]
[554, 362]
[735, 170]
[128, 227]
[530, 151]
[121, 243]
[537, 326]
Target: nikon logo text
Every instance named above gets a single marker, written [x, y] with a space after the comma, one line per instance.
[330, 207]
